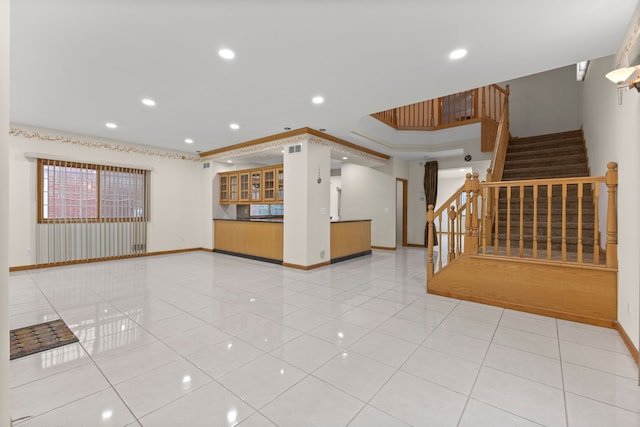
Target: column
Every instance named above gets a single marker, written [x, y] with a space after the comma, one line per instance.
[306, 205]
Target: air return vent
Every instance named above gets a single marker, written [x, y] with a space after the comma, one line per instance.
[295, 148]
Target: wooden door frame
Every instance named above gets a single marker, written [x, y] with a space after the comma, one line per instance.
[405, 192]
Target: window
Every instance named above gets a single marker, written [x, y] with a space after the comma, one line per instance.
[78, 192]
[266, 211]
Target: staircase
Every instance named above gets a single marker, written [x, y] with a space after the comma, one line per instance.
[559, 155]
[528, 238]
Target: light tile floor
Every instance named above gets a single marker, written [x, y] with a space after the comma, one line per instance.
[202, 339]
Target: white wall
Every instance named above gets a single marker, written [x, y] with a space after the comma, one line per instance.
[544, 103]
[176, 204]
[417, 217]
[612, 133]
[4, 213]
[370, 194]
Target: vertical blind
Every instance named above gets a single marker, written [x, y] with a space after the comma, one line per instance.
[88, 211]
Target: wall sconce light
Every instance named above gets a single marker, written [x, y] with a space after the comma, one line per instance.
[620, 76]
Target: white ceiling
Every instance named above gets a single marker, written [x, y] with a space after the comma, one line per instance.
[78, 64]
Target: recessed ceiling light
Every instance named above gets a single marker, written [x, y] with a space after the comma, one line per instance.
[111, 125]
[189, 141]
[458, 53]
[344, 158]
[234, 126]
[282, 151]
[149, 102]
[229, 161]
[317, 100]
[226, 53]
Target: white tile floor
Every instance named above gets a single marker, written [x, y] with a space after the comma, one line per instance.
[202, 339]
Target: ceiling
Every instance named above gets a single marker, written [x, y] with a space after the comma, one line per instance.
[78, 64]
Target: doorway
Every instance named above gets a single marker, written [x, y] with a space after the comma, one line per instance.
[401, 212]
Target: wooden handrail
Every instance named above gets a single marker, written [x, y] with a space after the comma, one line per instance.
[502, 140]
[482, 231]
[461, 227]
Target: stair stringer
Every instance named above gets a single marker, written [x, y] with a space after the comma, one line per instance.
[579, 293]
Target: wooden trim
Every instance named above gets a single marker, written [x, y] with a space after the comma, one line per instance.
[347, 144]
[290, 134]
[416, 245]
[627, 341]
[87, 261]
[596, 321]
[306, 267]
[384, 248]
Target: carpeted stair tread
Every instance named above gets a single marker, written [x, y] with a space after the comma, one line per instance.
[520, 162]
[561, 155]
[548, 136]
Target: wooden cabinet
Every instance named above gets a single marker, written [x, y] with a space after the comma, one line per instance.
[256, 186]
[244, 187]
[224, 188]
[269, 183]
[233, 188]
[280, 183]
[261, 185]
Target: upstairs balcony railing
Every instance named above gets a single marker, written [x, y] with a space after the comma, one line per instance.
[481, 105]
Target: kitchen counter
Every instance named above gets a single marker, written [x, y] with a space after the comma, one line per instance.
[263, 238]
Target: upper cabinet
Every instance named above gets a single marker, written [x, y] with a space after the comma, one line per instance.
[279, 183]
[256, 185]
[260, 185]
[224, 188]
[233, 188]
[269, 183]
[244, 186]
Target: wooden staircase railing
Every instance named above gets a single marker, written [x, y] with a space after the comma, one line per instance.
[483, 236]
[501, 142]
[481, 105]
[447, 223]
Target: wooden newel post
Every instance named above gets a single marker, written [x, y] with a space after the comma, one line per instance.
[430, 242]
[612, 220]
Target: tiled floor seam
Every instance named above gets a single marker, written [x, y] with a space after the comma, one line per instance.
[603, 402]
[475, 380]
[600, 370]
[564, 390]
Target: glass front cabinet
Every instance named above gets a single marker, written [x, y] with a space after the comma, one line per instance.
[256, 186]
[244, 187]
[280, 184]
[233, 188]
[224, 188]
[269, 182]
[252, 186]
